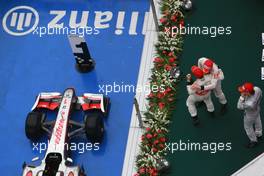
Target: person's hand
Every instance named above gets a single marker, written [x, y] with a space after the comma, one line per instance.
[196, 87]
[242, 98]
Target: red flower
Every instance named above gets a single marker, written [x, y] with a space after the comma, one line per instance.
[142, 170]
[163, 20]
[153, 171]
[154, 174]
[162, 139]
[164, 52]
[159, 131]
[155, 135]
[162, 146]
[161, 105]
[149, 136]
[151, 95]
[168, 90]
[172, 59]
[170, 54]
[181, 23]
[160, 95]
[168, 67]
[174, 18]
[154, 150]
[136, 174]
[142, 137]
[158, 60]
[148, 129]
[156, 142]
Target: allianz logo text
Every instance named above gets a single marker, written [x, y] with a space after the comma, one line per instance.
[20, 20]
[23, 20]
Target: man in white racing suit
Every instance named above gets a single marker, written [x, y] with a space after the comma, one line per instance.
[198, 95]
[209, 67]
[249, 101]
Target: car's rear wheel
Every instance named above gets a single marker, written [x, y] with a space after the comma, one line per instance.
[107, 106]
[33, 126]
[94, 127]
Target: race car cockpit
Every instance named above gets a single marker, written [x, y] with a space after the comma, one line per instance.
[52, 161]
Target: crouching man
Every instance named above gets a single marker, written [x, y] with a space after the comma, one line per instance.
[198, 95]
[249, 101]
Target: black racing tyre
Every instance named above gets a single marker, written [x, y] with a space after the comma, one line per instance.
[82, 172]
[94, 127]
[33, 126]
[106, 106]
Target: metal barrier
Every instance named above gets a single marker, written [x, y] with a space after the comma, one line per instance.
[154, 15]
[138, 113]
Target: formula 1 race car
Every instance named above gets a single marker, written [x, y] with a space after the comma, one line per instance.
[56, 161]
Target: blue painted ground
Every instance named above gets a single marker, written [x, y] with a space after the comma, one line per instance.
[30, 64]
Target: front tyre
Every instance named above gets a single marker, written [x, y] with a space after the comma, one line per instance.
[82, 172]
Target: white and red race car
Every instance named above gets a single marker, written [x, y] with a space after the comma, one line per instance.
[56, 161]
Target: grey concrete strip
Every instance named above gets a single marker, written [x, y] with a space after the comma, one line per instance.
[146, 64]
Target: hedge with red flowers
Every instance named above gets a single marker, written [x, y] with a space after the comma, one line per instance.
[161, 102]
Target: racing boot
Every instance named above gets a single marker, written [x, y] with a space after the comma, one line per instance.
[195, 120]
[252, 144]
[259, 138]
[212, 114]
[223, 109]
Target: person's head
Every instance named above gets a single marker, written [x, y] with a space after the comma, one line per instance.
[246, 89]
[207, 66]
[197, 72]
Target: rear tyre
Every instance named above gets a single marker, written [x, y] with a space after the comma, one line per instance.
[33, 126]
[94, 127]
[106, 106]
